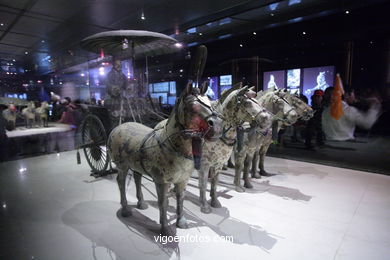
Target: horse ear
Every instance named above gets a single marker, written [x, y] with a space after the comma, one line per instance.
[227, 92]
[189, 87]
[204, 87]
[237, 85]
[243, 90]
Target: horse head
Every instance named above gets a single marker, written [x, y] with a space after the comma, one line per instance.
[197, 115]
[303, 110]
[198, 118]
[240, 105]
[275, 101]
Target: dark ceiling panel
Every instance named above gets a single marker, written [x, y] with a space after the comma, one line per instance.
[34, 26]
[6, 18]
[17, 39]
[14, 3]
[60, 9]
[12, 50]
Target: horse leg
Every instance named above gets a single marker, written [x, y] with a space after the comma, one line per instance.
[203, 176]
[263, 152]
[141, 204]
[162, 194]
[213, 192]
[181, 221]
[230, 162]
[255, 162]
[238, 169]
[247, 162]
[121, 179]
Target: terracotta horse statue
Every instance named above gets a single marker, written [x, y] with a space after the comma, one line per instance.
[42, 113]
[29, 114]
[168, 154]
[303, 111]
[10, 114]
[252, 137]
[237, 105]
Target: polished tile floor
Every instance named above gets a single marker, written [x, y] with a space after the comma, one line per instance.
[52, 209]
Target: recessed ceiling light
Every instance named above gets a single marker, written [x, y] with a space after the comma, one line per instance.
[200, 34]
[43, 41]
[13, 60]
[178, 45]
[347, 12]
[272, 14]
[303, 33]
[26, 52]
[1, 24]
[241, 45]
[254, 33]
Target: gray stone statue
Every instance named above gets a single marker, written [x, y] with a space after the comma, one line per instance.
[10, 114]
[168, 154]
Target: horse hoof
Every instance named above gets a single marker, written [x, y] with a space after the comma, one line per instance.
[125, 212]
[142, 205]
[263, 173]
[248, 185]
[182, 223]
[256, 176]
[216, 204]
[240, 189]
[205, 209]
[166, 231]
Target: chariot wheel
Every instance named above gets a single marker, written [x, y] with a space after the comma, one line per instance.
[94, 140]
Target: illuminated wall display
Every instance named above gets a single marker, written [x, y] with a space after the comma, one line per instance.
[300, 80]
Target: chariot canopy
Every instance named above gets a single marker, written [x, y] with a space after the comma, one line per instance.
[130, 43]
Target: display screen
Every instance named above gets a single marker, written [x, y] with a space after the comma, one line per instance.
[212, 91]
[163, 95]
[225, 80]
[172, 87]
[317, 78]
[294, 91]
[274, 79]
[293, 78]
[172, 100]
[161, 87]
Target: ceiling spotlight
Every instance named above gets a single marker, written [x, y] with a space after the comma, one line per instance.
[143, 16]
[347, 12]
[82, 74]
[181, 70]
[13, 60]
[303, 33]
[241, 45]
[178, 45]
[43, 41]
[272, 14]
[26, 52]
[200, 33]
[1, 24]
[254, 33]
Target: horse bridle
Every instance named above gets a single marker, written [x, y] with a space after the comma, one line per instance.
[281, 118]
